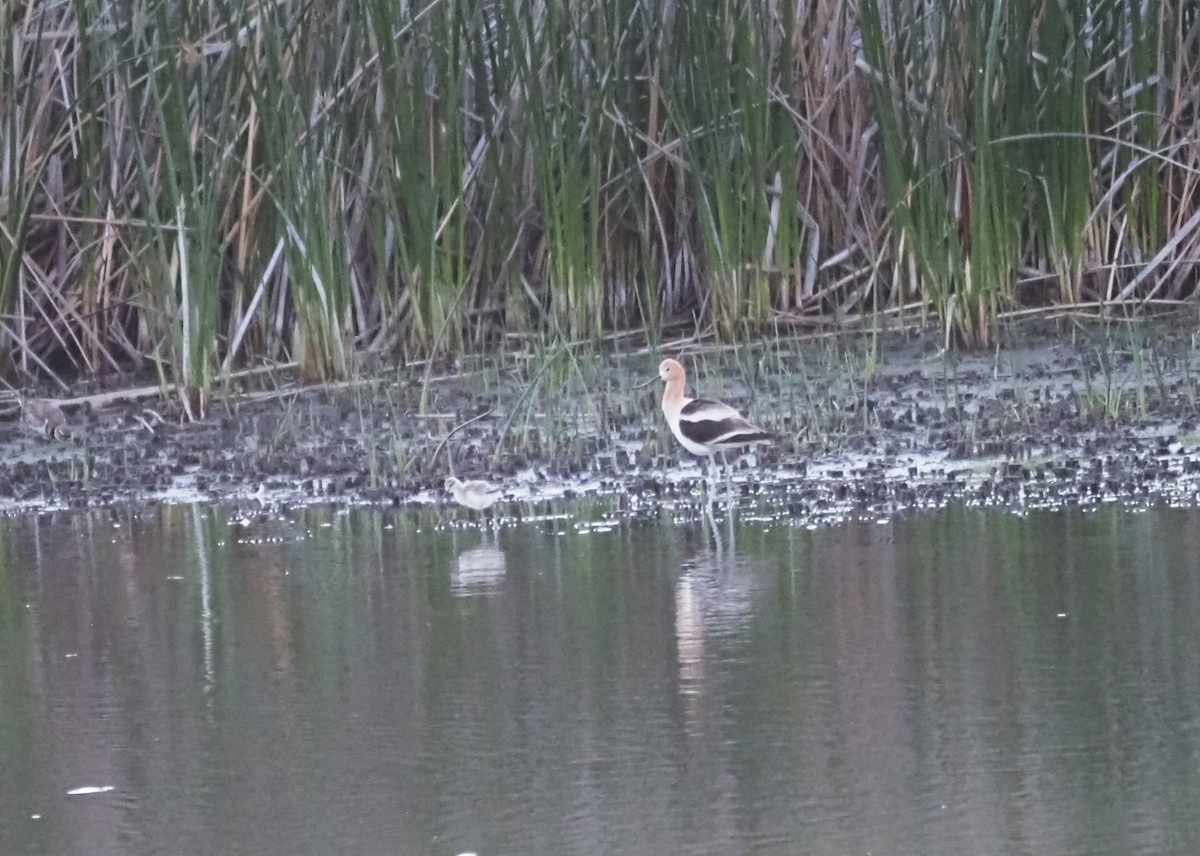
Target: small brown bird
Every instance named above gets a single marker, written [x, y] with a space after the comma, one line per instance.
[46, 417]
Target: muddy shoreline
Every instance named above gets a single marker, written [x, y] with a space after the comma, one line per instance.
[1061, 412]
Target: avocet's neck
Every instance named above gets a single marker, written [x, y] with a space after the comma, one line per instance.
[673, 397]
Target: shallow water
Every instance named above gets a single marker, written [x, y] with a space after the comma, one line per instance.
[946, 682]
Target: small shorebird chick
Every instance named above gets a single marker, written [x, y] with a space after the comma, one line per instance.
[45, 417]
[476, 495]
[701, 426]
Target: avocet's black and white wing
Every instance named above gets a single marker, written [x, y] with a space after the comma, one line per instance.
[709, 426]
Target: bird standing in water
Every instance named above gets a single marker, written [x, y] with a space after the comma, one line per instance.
[476, 495]
[702, 426]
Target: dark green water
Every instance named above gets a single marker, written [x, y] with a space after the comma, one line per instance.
[956, 682]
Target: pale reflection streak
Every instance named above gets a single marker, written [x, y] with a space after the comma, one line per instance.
[479, 570]
[206, 611]
[712, 596]
[689, 643]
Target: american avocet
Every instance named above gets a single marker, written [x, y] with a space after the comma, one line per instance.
[476, 495]
[701, 426]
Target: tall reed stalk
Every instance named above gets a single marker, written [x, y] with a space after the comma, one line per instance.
[182, 169]
[308, 140]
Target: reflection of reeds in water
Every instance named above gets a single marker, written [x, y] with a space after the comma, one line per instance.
[478, 571]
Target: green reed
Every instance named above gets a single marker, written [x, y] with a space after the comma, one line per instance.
[209, 185]
[181, 172]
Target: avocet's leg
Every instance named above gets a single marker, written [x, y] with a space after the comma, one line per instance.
[728, 480]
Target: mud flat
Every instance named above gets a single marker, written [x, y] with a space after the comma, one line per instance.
[1061, 412]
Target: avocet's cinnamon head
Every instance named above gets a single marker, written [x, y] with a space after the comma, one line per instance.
[670, 370]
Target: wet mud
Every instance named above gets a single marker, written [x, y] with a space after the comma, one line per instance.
[1057, 414]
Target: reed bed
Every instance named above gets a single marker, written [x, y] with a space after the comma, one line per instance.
[200, 186]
